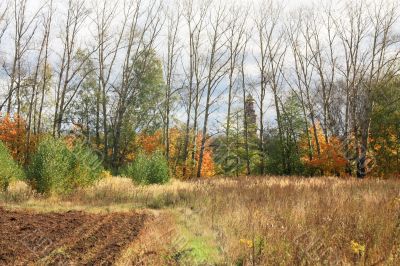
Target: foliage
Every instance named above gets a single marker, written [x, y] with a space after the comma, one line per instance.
[142, 102]
[293, 126]
[229, 151]
[50, 166]
[9, 169]
[57, 169]
[87, 165]
[148, 169]
[331, 159]
[385, 130]
[13, 135]
[150, 143]
[83, 110]
[208, 167]
[146, 143]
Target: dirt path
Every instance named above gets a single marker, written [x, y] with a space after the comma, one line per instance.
[69, 238]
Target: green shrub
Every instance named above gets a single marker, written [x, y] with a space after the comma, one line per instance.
[159, 171]
[147, 170]
[87, 166]
[51, 166]
[57, 169]
[9, 169]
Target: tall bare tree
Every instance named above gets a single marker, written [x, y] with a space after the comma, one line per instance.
[217, 62]
[73, 60]
[173, 22]
[4, 20]
[195, 17]
[4, 24]
[301, 77]
[42, 61]
[24, 30]
[109, 43]
[236, 36]
[382, 57]
[270, 58]
[45, 66]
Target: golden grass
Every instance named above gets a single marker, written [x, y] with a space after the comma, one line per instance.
[260, 220]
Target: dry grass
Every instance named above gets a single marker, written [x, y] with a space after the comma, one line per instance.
[274, 220]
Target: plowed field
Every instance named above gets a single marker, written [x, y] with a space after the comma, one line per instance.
[69, 238]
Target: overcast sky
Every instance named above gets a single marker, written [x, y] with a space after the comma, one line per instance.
[251, 68]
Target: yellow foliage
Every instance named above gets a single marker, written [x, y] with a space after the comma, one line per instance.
[246, 242]
[106, 175]
[331, 158]
[357, 248]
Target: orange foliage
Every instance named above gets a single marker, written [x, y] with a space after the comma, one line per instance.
[152, 143]
[13, 135]
[208, 166]
[331, 160]
[147, 143]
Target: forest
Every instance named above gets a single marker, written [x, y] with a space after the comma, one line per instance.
[208, 88]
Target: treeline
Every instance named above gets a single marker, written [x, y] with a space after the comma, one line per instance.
[221, 87]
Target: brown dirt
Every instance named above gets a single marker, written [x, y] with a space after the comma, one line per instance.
[69, 238]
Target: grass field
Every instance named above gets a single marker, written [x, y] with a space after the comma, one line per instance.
[245, 221]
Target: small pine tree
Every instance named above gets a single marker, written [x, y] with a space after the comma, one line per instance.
[9, 169]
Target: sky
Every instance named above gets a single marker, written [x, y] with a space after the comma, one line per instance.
[220, 107]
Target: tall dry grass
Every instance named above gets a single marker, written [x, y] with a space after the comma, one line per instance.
[273, 220]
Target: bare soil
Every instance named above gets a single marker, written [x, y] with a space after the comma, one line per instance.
[69, 238]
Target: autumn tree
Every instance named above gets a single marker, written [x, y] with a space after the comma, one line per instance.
[216, 70]
[331, 160]
[13, 135]
[385, 130]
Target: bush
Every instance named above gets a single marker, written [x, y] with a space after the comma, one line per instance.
[147, 170]
[87, 166]
[57, 169]
[9, 169]
[159, 171]
[50, 166]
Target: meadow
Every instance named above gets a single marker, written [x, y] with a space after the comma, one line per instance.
[208, 132]
[242, 221]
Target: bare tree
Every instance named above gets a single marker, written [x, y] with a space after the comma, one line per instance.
[170, 68]
[352, 30]
[41, 57]
[382, 59]
[307, 34]
[196, 22]
[24, 31]
[45, 66]
[4, 24]
[71, 65]
[303, 71]
[236, 36]
[323, 60]
[109, 44]
[270, 59]
[4, 20]
[216, 70]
